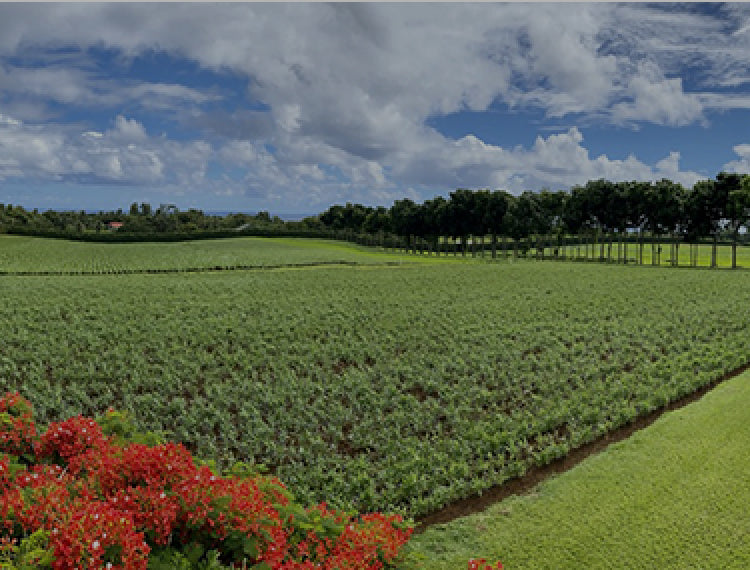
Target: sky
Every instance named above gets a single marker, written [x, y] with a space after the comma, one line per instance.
[294, 107]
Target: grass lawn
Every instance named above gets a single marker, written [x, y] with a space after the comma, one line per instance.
[674, 495]
[21, 253]
[701, 254]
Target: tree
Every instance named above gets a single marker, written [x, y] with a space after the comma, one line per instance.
[496, 216]
[434, 214]
[551, 206]
[737, 212]
[377, 220]
[703, 207]
[406, 218]
[524, 215]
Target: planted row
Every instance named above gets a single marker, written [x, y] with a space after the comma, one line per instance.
[396, 389]
[73, 497]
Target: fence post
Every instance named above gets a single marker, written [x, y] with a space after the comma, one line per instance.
[640, 245]
[714, 246]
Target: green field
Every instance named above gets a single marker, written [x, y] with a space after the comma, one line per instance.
[674, 495]
[377, 387]
[19, 254]
[696, 255]
[32, 254]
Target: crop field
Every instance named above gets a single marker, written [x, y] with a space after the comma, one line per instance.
[671, 496]
[380, 387]
[26, 254]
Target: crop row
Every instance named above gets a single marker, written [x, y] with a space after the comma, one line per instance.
[382, 388]
[20, 254]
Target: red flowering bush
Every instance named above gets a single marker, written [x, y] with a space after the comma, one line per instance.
[100, 502]
[74, 497]
[17, 429]
[71, 438]
[94, 534]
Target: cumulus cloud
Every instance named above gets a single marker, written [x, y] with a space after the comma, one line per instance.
[658, 100]
[347, 91]
[742, 163]
[559, 160]
[124, 153]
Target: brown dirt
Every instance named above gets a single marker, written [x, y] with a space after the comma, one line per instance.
[536, 475]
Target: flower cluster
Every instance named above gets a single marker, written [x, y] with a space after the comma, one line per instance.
[107, 505]
[17, 429]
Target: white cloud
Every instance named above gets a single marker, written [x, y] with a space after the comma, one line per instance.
[557, 161]
[128, 130]
[741, 164]
[350, 88]
[658, 100]
[123, 154]
[79, 87]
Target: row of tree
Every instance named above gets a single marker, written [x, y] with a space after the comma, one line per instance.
[140, 218]
[711, 208]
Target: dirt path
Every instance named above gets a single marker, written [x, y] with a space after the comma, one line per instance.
[536, 475]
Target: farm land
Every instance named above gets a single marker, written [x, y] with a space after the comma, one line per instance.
[398, 383]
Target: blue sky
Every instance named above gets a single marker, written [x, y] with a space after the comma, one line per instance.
[294, 107]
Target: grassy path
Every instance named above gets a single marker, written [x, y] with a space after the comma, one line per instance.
[674, 495]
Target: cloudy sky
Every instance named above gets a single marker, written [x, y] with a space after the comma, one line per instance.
[294, 107]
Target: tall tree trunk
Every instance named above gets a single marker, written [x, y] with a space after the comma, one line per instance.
[714, 247]
[640, 240]
[494, 245]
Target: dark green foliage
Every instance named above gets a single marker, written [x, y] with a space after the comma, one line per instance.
[385, 388]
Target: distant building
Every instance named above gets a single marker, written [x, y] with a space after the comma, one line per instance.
[114, 225]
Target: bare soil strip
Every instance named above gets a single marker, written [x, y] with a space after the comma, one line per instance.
[536, 475]
[213, 268]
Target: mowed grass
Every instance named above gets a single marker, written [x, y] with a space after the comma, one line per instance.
[21, 253]
[674, 495]
[698, 255]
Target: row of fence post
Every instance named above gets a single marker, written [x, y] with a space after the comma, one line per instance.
[608, 248]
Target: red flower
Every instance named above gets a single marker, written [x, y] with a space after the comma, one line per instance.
[104, 505]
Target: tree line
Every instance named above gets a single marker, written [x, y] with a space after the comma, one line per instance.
[142, 219]
[714, 208]
[718, 208]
